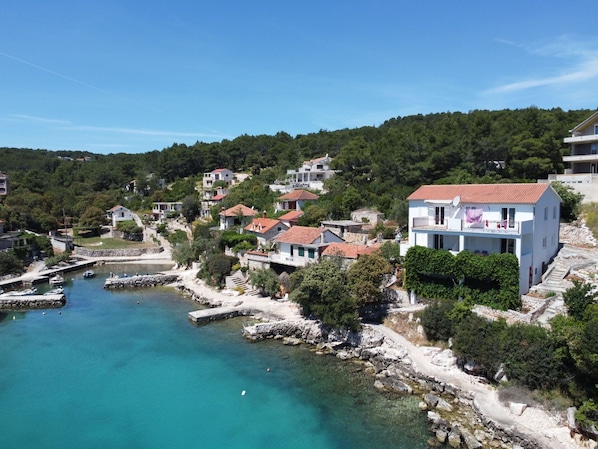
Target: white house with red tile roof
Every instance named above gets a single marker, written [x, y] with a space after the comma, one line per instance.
[296, 200]
[220, 174]
[210, 199]
[265, 229]
[238, 215]
[522, 219]
[119, 213]
[302, 245]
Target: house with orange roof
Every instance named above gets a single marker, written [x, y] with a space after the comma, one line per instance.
[302, 245]
[521, 219]
[238, 215]
[349, 252]
[211, 198]
[296, 200]
[265, 229]
[291, 218]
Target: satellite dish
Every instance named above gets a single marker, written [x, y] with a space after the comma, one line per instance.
[456, 200]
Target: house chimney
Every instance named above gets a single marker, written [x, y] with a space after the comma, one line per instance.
[264, 214]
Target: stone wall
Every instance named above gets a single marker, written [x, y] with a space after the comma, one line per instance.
[145, 280]
[19, 303]
[105, 253]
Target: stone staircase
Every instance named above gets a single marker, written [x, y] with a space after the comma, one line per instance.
[554, 281]
[238, 280]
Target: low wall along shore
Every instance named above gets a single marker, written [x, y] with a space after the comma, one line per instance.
[144, 280]
[106, 253]
[31, 302]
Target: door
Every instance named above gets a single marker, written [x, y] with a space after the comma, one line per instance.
[439, 215]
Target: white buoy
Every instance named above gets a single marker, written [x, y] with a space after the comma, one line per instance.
[243, 393]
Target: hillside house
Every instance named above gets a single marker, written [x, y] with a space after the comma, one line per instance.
[291, 218]
[349, 252]
[160, 210]
[522, 219]
[220, 174]
[119, 213]
[238, 215]
[211, 198]
[296, 200]
[265, 229]
[311, 175]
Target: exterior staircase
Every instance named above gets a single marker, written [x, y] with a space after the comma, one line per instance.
[238, 280]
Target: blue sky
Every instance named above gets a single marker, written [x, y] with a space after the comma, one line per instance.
[135, 76]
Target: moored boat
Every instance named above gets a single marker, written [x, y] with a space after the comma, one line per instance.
[89, 274]
[56, 280]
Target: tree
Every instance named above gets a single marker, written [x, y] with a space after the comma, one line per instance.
[571, 204]
[130, 230]
[183, 254]
[266, 281]
[322, 293]
[217, 267]
[365, 276]
[578, 298]
[190, 208]
[10, 263]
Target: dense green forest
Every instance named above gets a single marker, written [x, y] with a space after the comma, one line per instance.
[380, 166]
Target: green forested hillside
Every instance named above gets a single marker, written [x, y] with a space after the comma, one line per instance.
[379, 166]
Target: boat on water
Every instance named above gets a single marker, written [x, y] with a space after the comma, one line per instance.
[55, 291]
[56, 280]
[89, 274]
[29, 291]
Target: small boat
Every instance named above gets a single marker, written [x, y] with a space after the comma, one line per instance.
[55, 291]
[56, 280]
[89, 274]
[29, 291]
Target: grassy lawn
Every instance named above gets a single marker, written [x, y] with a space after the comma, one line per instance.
[110, 243]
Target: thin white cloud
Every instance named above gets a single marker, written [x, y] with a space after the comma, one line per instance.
[143, 132]
[582, 61]
[32, 118]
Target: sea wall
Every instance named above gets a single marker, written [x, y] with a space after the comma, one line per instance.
[453, 413]
[137, 281]
[106, 253]
[31, 302]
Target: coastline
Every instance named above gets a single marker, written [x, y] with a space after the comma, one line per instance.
[536, 426]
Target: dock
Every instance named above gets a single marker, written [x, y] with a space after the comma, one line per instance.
[205, 316]
[17, 303]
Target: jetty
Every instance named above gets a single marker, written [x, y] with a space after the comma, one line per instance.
[141, 280]
[18, 303]
[205, 316]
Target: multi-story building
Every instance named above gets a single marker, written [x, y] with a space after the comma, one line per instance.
[311, 175]
[522, 219]
[3, 184]
[220, 174]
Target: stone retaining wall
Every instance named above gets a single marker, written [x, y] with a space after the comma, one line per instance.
[21, 303]
[132, 252]
[146, 280]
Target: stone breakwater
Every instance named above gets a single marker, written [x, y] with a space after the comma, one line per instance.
[31, 302]
[107, 253]
[137, 281]
[453, 413]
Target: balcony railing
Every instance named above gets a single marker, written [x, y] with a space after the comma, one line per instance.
[483, 227]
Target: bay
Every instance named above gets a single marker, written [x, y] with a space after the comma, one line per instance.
[127, 369]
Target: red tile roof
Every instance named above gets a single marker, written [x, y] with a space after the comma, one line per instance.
[482, 193]
[239, 209]
[219, 197]
[219, 170]
[301, 234]
[297, 195]
[349, 250]
[262, 225]
[291, 216]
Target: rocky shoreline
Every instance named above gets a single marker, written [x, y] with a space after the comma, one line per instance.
[453, 413]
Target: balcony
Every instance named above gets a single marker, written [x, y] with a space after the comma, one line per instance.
[581, 158]
[460, 226]
[582, 139]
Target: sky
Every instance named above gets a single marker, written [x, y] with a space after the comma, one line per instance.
[136, 76]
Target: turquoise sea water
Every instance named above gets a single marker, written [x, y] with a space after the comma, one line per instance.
[107, 372]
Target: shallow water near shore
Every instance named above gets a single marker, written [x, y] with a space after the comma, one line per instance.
[109, 372]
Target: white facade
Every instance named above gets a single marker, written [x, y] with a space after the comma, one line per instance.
[119, 213]
[161, 209]
[530, 231]
[311, 175]
[220, 174]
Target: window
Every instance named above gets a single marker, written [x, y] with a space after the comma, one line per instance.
[439, 215]
[554, 212]
[544, 242]
[594, 148]
[438, 241]
[595, 129]
[301, 251]
[311, 253]
[545, 213]
[507, 246]
[508, 217]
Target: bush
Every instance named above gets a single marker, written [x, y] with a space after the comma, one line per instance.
[436, 322]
